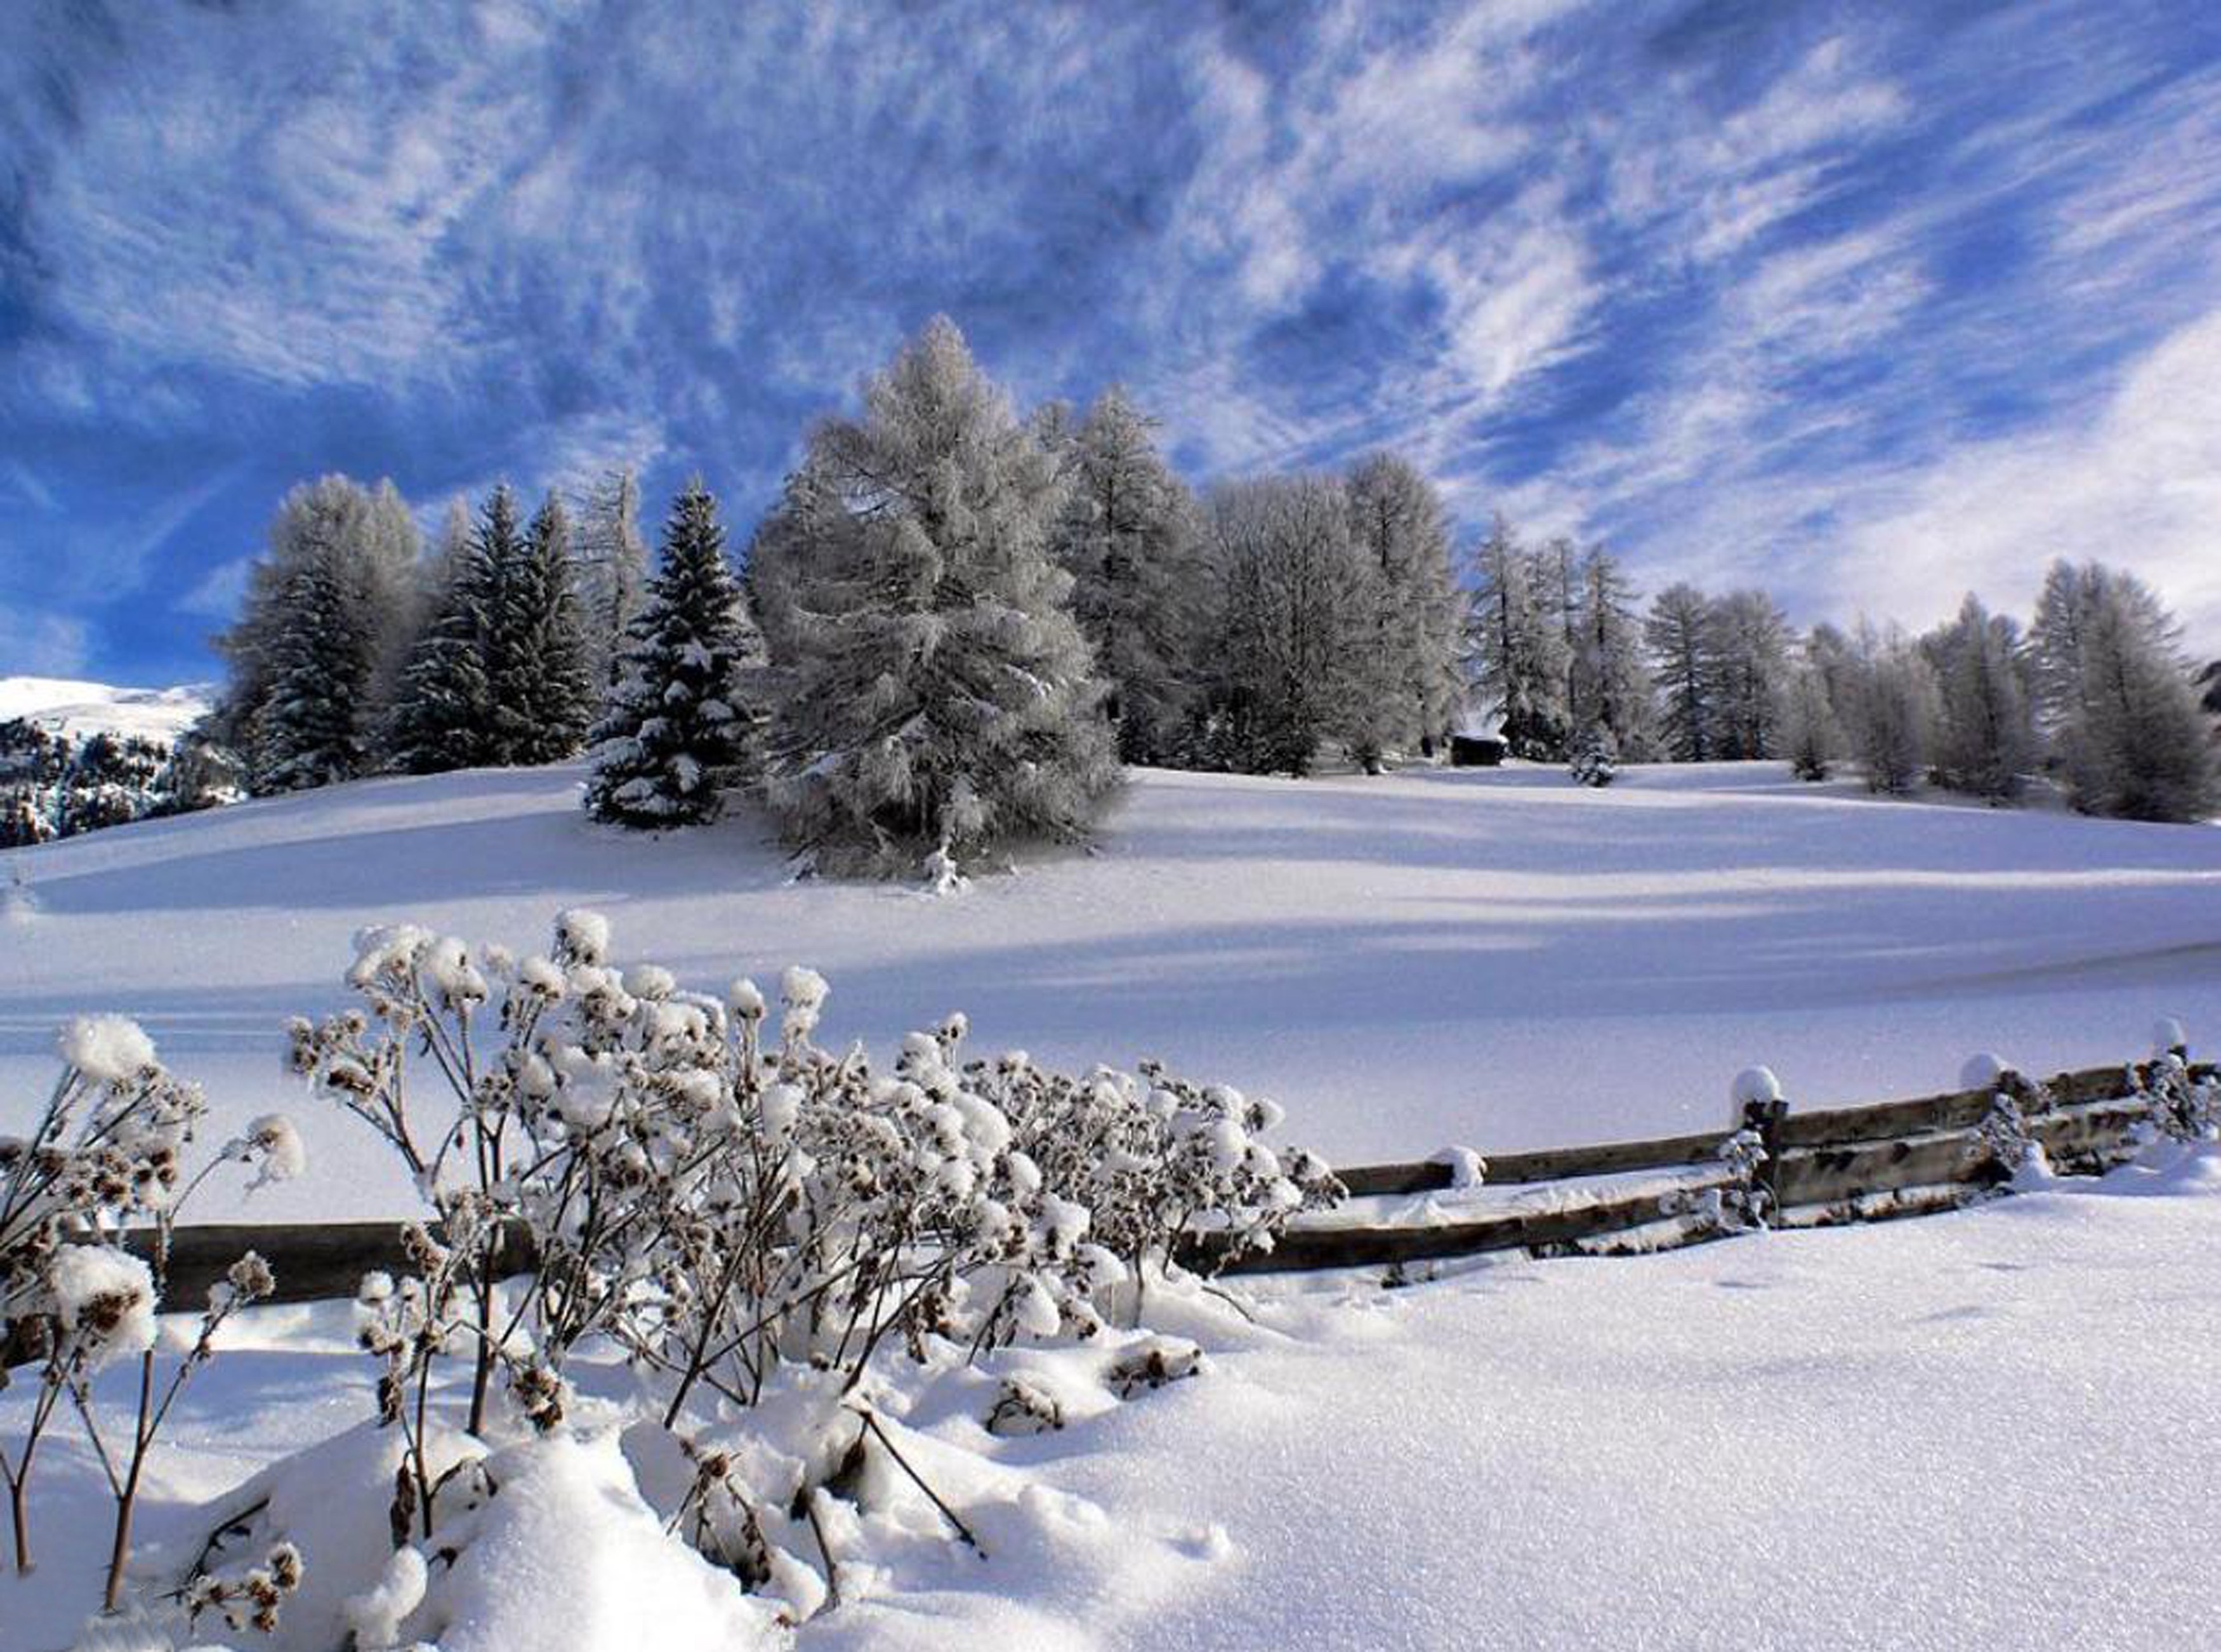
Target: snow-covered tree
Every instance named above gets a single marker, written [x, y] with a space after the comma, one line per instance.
[2118, 698]
[311, 731]
[1811, 738]
[1516, 638]
[1611, 688]
[1750, 649]
[1128, 535]
[1985, 739]
[1416, 685]
[1679, 634]
[683, 727]
[540, 684]
[1296, 604]
[1894, 711]
[935, 689]
[443, 711]
[611, 557]
[363, 542]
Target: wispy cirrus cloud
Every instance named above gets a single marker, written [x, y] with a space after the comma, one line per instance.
[1758, 294]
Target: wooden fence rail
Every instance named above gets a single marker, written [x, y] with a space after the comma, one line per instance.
[1848, 1164]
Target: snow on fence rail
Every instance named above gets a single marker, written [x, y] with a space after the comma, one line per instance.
[1819, 1168]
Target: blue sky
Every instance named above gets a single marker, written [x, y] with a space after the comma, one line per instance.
[1867, 304]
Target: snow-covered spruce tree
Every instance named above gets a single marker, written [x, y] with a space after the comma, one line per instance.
[364, 540]
[1610, 687]
[1295, 601]
[443, 711]
[311, 731]
[1985, 739]
[1678, 634]
[1128, 534]
[933, 690]
[1595, 757]
[1750, 662]
[1811, 739]
[1893, 713]
[1516, 638]
[2118, 698]
[539, 686]
[612, 569]
[1401, 531]
[682, 728]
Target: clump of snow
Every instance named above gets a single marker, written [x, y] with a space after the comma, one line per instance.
[375, 1616]
[274, 1142]
[584, 935]
[1754, 1086]
[106, 1049]
[2167, 1036]
[1983, 1070]
[1467, 1167]
[104, 1299]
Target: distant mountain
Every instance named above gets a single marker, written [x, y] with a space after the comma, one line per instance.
[78, 709]
[76, 756]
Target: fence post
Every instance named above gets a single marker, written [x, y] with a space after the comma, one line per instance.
[1762, 1107]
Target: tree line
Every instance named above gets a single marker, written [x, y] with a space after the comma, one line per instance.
[958, 622]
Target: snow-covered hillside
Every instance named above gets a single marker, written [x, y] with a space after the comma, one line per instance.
[1499, 958]
[79, 709]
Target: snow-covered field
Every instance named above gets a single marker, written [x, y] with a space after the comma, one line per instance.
[1495, 959]
[1997, 1428]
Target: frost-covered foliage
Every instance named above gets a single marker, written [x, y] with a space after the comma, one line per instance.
[1677, 634]
[1811, 739]
[682, 726]
[1129, 535]
[324, 628]
[1411, 684]
[1517, 642]
[541, 687]
[1984, 737]
[107, 1155]
[1298, 609]
[1609, 685]
[612, 560]
[2118, 698]
[931, 685]
[751, 1218]
[2185, 1107]
[1895, 706]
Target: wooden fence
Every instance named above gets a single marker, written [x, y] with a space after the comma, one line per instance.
[1847, 1164]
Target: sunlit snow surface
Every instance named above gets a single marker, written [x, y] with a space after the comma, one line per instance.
[1994, 1428]
[1499, 960]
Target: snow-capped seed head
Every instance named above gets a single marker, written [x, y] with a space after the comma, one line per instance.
[104, 1297]
[275, 1142]
[747, 1000]
[107, 1049]
[1985, 1071]
[581, 937]
[800, 988]
[650, 981]
[1754, 1086]
[2167, 1036]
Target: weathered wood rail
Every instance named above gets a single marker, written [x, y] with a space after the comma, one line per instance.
[1838, 1165]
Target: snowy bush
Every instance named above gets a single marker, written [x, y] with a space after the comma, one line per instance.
[1595, 759]
[105, 1162]
[752, 1219]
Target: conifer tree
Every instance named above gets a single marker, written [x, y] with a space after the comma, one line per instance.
[365, 541]
[1517, 639]
[1811, 738]
[1128, 536]
[539, 685]
[1748, 648]
[1610, 688]
[311, 731]
[1678, 632]
[1895, 711]
[1985, 739]
[1401, 533]
[935, 689]
[1297, 618]
[681, 730]
[443, 711]
[611, 560]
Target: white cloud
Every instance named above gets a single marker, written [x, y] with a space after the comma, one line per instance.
[2137, 483]
[36, 642]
